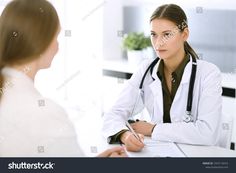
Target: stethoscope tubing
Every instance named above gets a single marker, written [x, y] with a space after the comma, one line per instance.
[189, 117]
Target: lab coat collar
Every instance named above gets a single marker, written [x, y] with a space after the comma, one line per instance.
[154, 72]
[186, 74]
[156, 86]
[156, 89]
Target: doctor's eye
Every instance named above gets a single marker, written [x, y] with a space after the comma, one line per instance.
[153, 34]
[168, 34]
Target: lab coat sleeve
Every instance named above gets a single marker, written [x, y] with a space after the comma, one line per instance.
[114, 119]
[205, 130]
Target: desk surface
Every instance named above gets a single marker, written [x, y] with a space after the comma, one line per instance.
[206, 151]
[91, 141]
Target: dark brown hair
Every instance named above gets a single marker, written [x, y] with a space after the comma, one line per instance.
[27, 28]
[175, 14]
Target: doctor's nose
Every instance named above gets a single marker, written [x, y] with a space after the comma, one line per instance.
[157, 43]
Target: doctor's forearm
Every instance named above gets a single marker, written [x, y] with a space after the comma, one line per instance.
[198, 133]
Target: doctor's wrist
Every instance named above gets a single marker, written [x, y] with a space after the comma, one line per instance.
[124, 136]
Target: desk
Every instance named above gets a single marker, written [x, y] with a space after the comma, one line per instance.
[206, 151]
[92, 142]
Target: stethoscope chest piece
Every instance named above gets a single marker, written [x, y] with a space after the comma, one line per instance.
[188, 117]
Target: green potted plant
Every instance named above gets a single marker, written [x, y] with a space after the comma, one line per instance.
[136, 43]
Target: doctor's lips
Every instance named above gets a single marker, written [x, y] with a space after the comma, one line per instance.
[161, 50]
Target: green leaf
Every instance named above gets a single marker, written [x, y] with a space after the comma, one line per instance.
[136, 41]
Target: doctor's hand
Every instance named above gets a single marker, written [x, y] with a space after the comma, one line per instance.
[114, 152]
[131, 142]
[143, 127]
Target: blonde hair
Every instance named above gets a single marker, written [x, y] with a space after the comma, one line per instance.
[27, 27]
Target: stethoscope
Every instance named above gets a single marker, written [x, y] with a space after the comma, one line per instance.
[188, 116]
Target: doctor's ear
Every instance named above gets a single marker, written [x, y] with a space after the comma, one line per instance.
[185, 34]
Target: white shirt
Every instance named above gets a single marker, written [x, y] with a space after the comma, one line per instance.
[31, 125]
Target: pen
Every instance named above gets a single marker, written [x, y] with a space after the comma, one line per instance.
[132, 131]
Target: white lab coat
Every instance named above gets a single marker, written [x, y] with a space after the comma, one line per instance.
[31, 125]
[206, 106]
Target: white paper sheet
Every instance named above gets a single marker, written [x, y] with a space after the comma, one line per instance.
[157, 149]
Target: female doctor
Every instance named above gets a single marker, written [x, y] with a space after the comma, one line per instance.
[181, 93]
